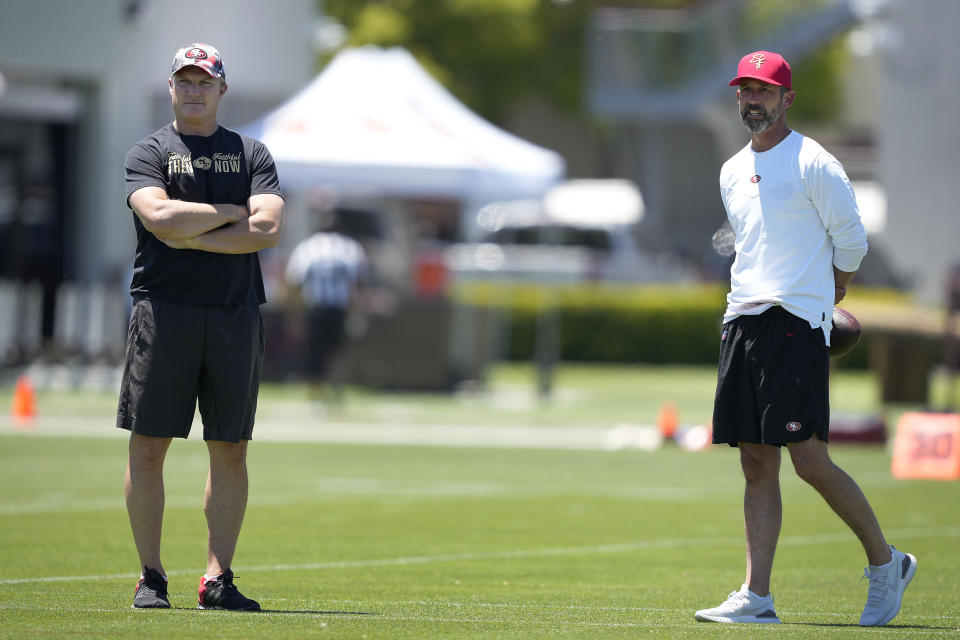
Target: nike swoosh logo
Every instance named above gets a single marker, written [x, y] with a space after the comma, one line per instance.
[790, 334]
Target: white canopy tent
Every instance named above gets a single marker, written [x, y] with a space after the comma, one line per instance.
[374, 125]
[374, 120]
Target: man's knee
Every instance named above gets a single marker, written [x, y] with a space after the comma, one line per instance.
[811, 461]
[147, 451]
[227, 455]
[759, 461]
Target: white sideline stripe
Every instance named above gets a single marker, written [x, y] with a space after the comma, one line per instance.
[490, 605]
[623, 547]
[570, 607]
[300, 430]
[373, 487]
[566, 624]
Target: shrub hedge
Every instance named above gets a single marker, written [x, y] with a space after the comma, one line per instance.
[616, 323]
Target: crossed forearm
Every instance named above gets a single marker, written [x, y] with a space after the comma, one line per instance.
[181, 220]
[259, 230]
[245, 236]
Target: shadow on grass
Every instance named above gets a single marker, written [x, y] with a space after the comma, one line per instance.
[849, 625]
[294, 612]
[290, 612]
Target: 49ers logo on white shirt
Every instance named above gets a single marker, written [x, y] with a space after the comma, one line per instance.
[793, 426]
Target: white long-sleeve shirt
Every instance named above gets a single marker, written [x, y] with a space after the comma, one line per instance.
[795, 216]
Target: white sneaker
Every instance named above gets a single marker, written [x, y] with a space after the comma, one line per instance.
[887, 584]
[741, 606]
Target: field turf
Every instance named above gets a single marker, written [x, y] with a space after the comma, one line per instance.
[374, 541]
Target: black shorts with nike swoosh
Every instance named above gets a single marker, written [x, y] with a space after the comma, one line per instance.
[773, 384]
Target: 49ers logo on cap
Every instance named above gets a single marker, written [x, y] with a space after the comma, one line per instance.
[201, 55]
[757, 59]
[793, 426]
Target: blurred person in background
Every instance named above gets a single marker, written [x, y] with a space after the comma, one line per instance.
[205, 199]
[326, 274]
[799, 241]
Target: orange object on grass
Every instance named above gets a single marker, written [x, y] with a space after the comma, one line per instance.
[927, 446]
[667, 420]
[24, 406]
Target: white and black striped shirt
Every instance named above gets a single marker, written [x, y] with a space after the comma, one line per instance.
[326, 267]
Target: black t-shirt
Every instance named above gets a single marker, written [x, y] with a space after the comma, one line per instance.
[224, 168]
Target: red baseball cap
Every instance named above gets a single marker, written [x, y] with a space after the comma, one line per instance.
[765, 66]
[201, 55]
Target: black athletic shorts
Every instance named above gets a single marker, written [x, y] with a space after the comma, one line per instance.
[178, 354]
[773, 381]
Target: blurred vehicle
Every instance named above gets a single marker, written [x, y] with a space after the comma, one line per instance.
[581, 231]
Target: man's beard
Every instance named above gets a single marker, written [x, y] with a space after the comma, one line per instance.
[758, 126]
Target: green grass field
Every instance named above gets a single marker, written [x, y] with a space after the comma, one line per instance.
[375, 541]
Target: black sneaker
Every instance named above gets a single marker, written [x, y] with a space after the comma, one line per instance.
[151, 591]
[223, 594]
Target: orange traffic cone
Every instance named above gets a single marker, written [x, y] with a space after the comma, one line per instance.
[24, 409]
[667, 420]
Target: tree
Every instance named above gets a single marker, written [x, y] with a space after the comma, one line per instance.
[489, 53]
[493, 53]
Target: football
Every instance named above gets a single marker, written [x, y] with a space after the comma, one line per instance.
[845, 333]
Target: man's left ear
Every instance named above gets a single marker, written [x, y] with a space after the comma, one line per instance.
[223, 89]
[788, 99]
